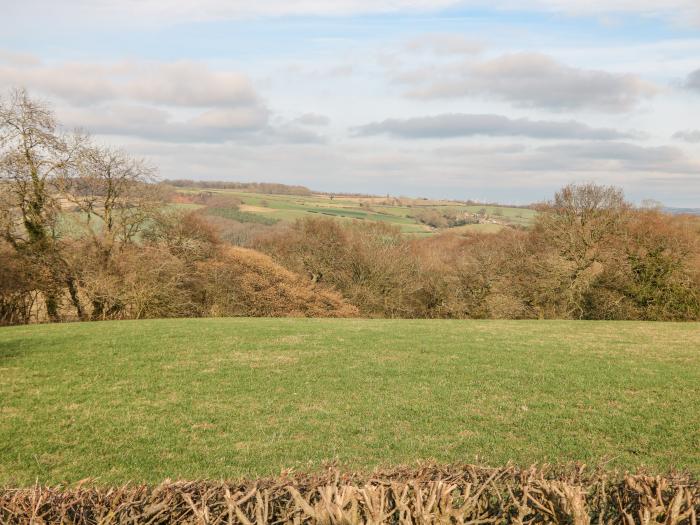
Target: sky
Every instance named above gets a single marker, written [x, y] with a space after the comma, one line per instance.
[498, 100]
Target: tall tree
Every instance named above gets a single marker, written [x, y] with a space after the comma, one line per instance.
[582, 223]
[115, 201]
[33, 156]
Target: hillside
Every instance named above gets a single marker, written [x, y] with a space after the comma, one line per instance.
[219, 398]
[414, 216]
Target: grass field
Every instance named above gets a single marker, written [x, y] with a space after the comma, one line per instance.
[290, 207]
[221, 398]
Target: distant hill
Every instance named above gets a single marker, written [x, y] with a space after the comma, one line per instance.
[680, 211]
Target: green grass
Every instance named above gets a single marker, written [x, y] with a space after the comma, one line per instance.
[292, 207]
[221, 398]
[241, 216]
[478, 228]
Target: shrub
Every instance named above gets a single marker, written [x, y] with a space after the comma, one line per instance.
[242, 282]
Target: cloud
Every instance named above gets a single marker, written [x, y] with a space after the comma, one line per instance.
[214, 126]
[74, 82]
[531, 80]
[167, 101]
[462, 125]
[489, 172]
[189, 84]
[18, 59]
[681, 11]
[290, 133]
[619, 161]
[182, 83]
[621, 156]
[231, 118]
[689, 135]
[444, 44]
[693, 80]
[157, 124]
[312, 119]
[170, 11]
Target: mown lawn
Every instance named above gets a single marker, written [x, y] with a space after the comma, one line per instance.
[221, 398]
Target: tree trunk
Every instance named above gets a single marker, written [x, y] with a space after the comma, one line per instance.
[73, 291]
[52, 307]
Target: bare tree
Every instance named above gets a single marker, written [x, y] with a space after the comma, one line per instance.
[114, 195]
[114, 200]
[33, 155]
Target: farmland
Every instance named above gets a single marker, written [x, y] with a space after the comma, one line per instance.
[400, 212]
[221, 398]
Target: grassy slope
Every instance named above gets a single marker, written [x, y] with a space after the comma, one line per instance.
[291, 207]
[145, 400]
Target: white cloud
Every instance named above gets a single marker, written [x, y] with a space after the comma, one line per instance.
[530, 80]
[242, 125]
[177, 101]
[182, 83]
[18, 59]
[157, 124]
[464, 125]
[689, 135]
[160, 11]
[75, 82]
[189, 84]
[444, 44]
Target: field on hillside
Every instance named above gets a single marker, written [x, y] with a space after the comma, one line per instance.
[400, 212]
[221, 398]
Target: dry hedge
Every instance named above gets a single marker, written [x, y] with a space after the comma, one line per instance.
[430, 494]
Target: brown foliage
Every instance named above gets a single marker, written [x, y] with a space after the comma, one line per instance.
[663, 255]
[182, 270]
[430, 494]
[369, 263]
[18, 287]
[242, 282]
[142, 282]
[590, 256]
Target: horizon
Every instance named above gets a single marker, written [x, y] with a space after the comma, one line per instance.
[464, 100]
[342, 193]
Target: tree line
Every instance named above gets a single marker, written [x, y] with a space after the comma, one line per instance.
[271, 188]
[589, 255]
[86, 233]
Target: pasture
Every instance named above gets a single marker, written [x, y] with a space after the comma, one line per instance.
[267, 208]
[222, 398]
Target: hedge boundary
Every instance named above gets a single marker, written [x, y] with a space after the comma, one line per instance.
[432, 494]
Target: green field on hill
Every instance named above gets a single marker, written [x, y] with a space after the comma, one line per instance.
[398, 212]
[223, 398]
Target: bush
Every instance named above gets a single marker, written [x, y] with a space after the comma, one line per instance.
[368, 263]
[242, 282]
[182, 270]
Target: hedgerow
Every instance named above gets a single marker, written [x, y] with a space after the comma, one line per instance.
[429, 494]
